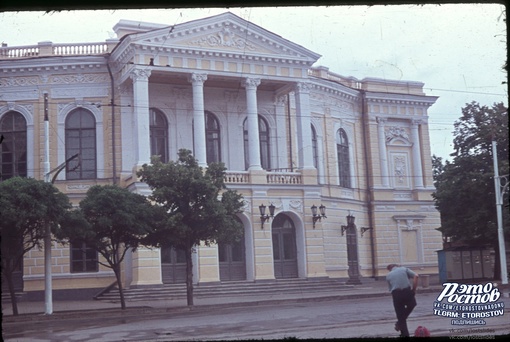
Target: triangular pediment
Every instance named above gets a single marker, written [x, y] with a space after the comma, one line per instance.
[226, 33]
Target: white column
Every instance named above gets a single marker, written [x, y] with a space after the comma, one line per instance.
[197, 81]
[383, 154]
[415, 136]
[251, 85]
[140, 79]
[305, 148]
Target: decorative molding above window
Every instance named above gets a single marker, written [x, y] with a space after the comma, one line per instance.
[79, 187]
[409, 222]
[402, 196]
[395, 132]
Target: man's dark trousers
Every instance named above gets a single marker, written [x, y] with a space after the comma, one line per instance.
[404, 303]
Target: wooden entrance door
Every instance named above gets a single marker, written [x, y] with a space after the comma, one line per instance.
[284, 247]
[173, 265]
[232, 261]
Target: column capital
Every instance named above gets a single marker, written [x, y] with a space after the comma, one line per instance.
[381, 121]
[303, 87]
[251, 83]
[196, 78]
[416, 122]
[140, 74]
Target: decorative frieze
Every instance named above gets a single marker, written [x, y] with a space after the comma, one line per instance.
[53, 79]
[80, 78]
[78, 187]
[19, 81]
[223, 38]
[19, 95]
[81, 92]
[402, 196]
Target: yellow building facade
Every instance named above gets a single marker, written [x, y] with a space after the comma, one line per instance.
[292, 135]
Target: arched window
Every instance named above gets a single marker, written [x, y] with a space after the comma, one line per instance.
[212, 138]
[158, 134]
[14, 146]
[265, 156]
[81, 138]
[342, 147]
[314, 148]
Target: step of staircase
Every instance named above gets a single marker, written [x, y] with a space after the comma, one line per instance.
[6, 296]
[244, 288]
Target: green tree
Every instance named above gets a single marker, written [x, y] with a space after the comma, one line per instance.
[27, 207]
[465, 194]
[194, 211]
[111, 220]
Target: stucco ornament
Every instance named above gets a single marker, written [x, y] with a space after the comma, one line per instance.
[224, 38]
[396, 132]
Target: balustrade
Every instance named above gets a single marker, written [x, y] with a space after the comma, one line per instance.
[19, 52]
[80, 49]
[50, 49]
[284, 178]
[272, 177]
[239, 177]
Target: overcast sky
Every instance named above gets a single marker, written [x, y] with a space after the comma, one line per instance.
[457, 50]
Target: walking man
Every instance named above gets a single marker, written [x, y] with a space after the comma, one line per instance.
[402, 284]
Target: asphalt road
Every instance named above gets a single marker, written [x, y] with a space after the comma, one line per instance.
[370, 317]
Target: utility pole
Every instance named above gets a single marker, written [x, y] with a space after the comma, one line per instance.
[499, 203]
[48, 291]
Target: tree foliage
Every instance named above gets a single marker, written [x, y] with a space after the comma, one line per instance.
[465, 191]
[198, 208]
[111, 220]
[28, 206]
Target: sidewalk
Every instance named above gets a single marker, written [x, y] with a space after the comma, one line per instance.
[30, 311]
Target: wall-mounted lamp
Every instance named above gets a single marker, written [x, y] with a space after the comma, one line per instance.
[317, 217]
[263, 216]
[364, 229]
[350, 223]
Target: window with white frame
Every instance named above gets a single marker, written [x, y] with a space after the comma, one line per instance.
[342, 147]
[158, 134]
[265, 155]
[80, 138]
[13, 156]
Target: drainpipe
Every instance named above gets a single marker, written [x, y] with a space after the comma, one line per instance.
[112, 103]
[371, 222]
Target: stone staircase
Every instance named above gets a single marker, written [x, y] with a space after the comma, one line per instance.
[226, 289]
[6, 296]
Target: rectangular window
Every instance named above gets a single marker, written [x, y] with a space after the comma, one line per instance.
[83, 258]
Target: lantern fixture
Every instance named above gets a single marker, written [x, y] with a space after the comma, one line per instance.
[318, 216]
[263, 216]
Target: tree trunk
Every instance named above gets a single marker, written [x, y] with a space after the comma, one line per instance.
[116, 270]
[189, 275]
[10, 284]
